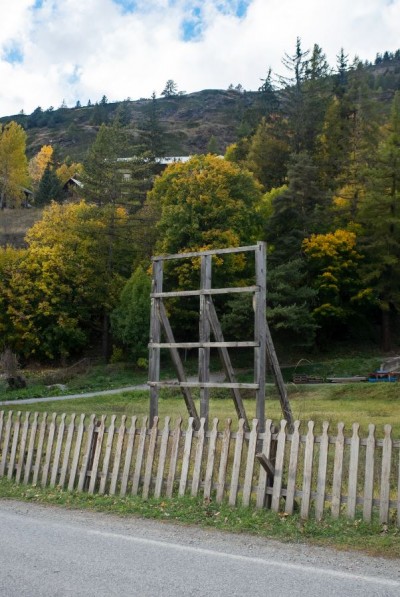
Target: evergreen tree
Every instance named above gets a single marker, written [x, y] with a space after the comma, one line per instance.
[268, 156]
[305, 96]
[298, 211]
[130, 320]
[154, 131]
[316, 96]
[293, 95]
[123, 113]
[379, 215]
[115, 174]
[49, 188]
[212, 145]
[359, 109]
[115, 171]
[267, 96]
[334, 142]
[289, 307]
[341, 78]
[290, 303]
[170, 89]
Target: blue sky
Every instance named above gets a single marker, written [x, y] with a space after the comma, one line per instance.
[55, 50]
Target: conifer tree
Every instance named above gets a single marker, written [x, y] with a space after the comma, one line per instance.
[49, 189]
[379, 216]
[116, 174]
[154, 131]
[268, 156]
[298, 211]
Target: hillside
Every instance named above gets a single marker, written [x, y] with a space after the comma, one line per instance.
[187, 122]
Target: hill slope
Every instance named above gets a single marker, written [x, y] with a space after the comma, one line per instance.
[188, 122]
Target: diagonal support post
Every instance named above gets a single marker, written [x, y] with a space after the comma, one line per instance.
[176, 359]
[280, 384]
[226, 361]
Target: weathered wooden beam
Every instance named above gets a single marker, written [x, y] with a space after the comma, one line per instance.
[266, 463]
[204, 336]
[202, 344]
[155, 337]
[178, 366]
[280, 384]
[260, 323]
[227, 365]
[202, 291]
[209, 252]
[198, 384]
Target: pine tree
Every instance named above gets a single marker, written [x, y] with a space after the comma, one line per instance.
[49, 189]
[116, 174]
[154, 131]
[131, 318]
[115, 171]
[359, 112]
[379, 216]
[268, 156]
[298, 211]
[170, 89]
[293, 94]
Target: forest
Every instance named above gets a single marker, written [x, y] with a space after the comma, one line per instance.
[314, 171]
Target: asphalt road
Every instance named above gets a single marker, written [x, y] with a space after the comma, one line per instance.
[46, 551]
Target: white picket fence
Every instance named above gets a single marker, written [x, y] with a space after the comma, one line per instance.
[313, 473]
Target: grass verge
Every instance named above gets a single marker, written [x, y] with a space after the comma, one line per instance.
[373, 539]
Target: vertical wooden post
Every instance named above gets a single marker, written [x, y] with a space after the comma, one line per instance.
[204, 336]
[155, 336]
[260, 332]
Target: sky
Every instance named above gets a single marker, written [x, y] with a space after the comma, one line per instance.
[68, 50]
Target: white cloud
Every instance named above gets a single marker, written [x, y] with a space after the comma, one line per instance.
[81, 49]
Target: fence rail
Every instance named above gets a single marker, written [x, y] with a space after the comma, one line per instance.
[316, 474]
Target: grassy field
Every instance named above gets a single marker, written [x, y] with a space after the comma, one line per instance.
[358, 402]
[15, 222]
[362, 403]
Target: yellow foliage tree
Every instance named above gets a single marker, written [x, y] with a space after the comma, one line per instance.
[333, 261]
[13, 164]
[65, 171]
[37, 165]
[62, 285]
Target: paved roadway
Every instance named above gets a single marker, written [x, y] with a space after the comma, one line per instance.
[46, 551]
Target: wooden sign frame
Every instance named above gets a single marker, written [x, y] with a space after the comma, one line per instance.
[209, 323]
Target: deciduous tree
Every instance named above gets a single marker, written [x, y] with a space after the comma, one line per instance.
[334, 265]
[61, 286]
[37, 165]
[13, 164]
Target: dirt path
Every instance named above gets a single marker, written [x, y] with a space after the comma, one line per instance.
[139, 387]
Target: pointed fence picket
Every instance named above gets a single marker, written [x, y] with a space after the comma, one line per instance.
[317, 472]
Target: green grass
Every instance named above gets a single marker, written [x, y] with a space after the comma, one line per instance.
[363, 403]
[14, 224]
[355, 535]
[96, 378]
